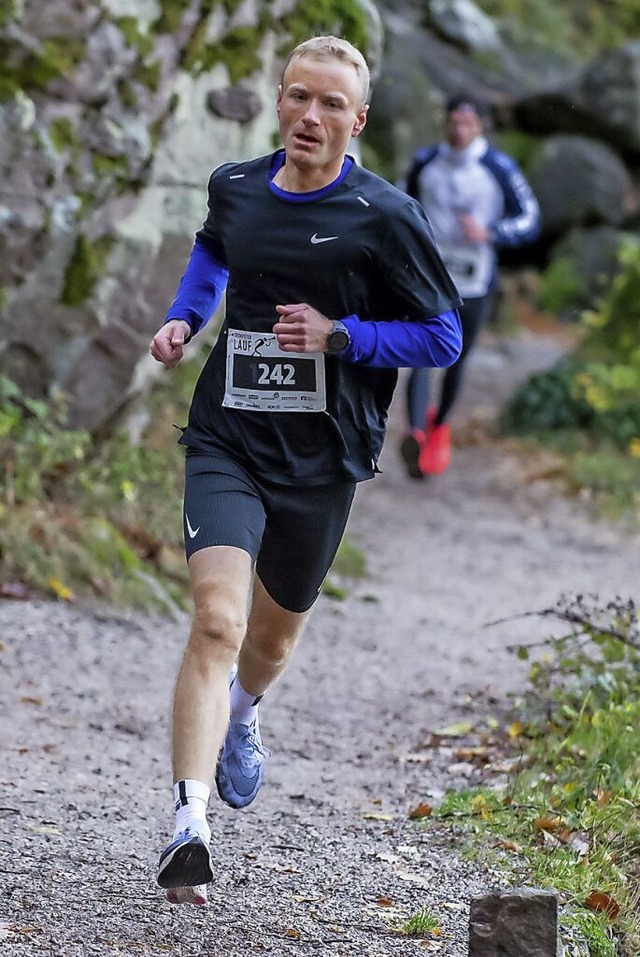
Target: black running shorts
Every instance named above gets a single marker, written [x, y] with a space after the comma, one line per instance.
[291, 532]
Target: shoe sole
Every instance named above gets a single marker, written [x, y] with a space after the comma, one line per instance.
[188, 895]
[410, 452]
[188, 866]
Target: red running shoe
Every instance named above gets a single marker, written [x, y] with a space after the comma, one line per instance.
[435, 454]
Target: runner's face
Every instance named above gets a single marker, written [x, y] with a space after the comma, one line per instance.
[319, 109]
[463, 126]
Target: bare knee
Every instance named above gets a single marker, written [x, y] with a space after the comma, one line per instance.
[218, 626]
[271, 645]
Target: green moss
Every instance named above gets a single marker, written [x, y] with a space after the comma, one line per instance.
[85, 266]
[344, 18]
[111, 167]
[238, 51]
[134, 36]
[156, 129]
[171, 15]
[8, 87]
[574, 25]
[149, 74]
[56, 57]
[62, 134]
[10, 10]
[126, 94]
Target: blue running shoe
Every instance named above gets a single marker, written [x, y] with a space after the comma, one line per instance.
[186, 862]
[240, 770]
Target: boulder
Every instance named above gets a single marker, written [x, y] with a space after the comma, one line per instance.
[580, 182]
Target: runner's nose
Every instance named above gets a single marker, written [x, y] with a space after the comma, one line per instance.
[312, 114]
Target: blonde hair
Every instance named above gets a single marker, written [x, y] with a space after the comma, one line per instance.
[333, 48]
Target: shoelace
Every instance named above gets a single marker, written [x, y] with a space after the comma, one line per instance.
[250, 737]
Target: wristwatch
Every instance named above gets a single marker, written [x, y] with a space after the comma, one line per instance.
[338, 339]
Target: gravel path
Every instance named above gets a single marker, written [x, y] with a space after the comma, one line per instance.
[326, 860]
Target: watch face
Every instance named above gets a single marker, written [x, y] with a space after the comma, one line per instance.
[338, 340]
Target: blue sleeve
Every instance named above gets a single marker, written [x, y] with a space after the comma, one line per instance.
[200, 289]
[521, 221]
[432, 343]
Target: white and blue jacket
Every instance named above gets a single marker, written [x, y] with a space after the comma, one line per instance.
[489, 186]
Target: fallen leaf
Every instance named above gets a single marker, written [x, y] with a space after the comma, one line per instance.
[479, 754]
[455, 730]
[480, 805]
[420, 810]
[31, 699]
[550, 824]
[384, 902]
[579, 841]
[603, 903]
[602, 797]
[293, 933]
[506, 845]
[515, 729]
[372, 816]
[60, 589]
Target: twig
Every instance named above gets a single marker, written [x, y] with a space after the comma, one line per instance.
[571, 617]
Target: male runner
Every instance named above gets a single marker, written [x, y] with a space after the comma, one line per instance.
[332, 283]
[477, 201]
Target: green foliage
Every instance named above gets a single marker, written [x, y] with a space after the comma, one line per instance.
[421, 924]
[523, 147]
[595, 394]
[571, 810]
[548, 400]
[10, 11]
[561, 286]
[70, 507]
[45, 448]
[570, 25]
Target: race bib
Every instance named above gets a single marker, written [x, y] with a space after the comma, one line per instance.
[470, 267]
[263, 378]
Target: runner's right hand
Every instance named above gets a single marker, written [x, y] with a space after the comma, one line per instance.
[167, 346]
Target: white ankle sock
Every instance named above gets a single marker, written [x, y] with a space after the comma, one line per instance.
[191, 799]
[244, 706]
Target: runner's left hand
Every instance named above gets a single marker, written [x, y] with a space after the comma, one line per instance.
[301, 328]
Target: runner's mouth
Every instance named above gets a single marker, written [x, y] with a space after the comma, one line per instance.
[306, 140]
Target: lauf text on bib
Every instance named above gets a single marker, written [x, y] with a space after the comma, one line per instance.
[263, 378]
